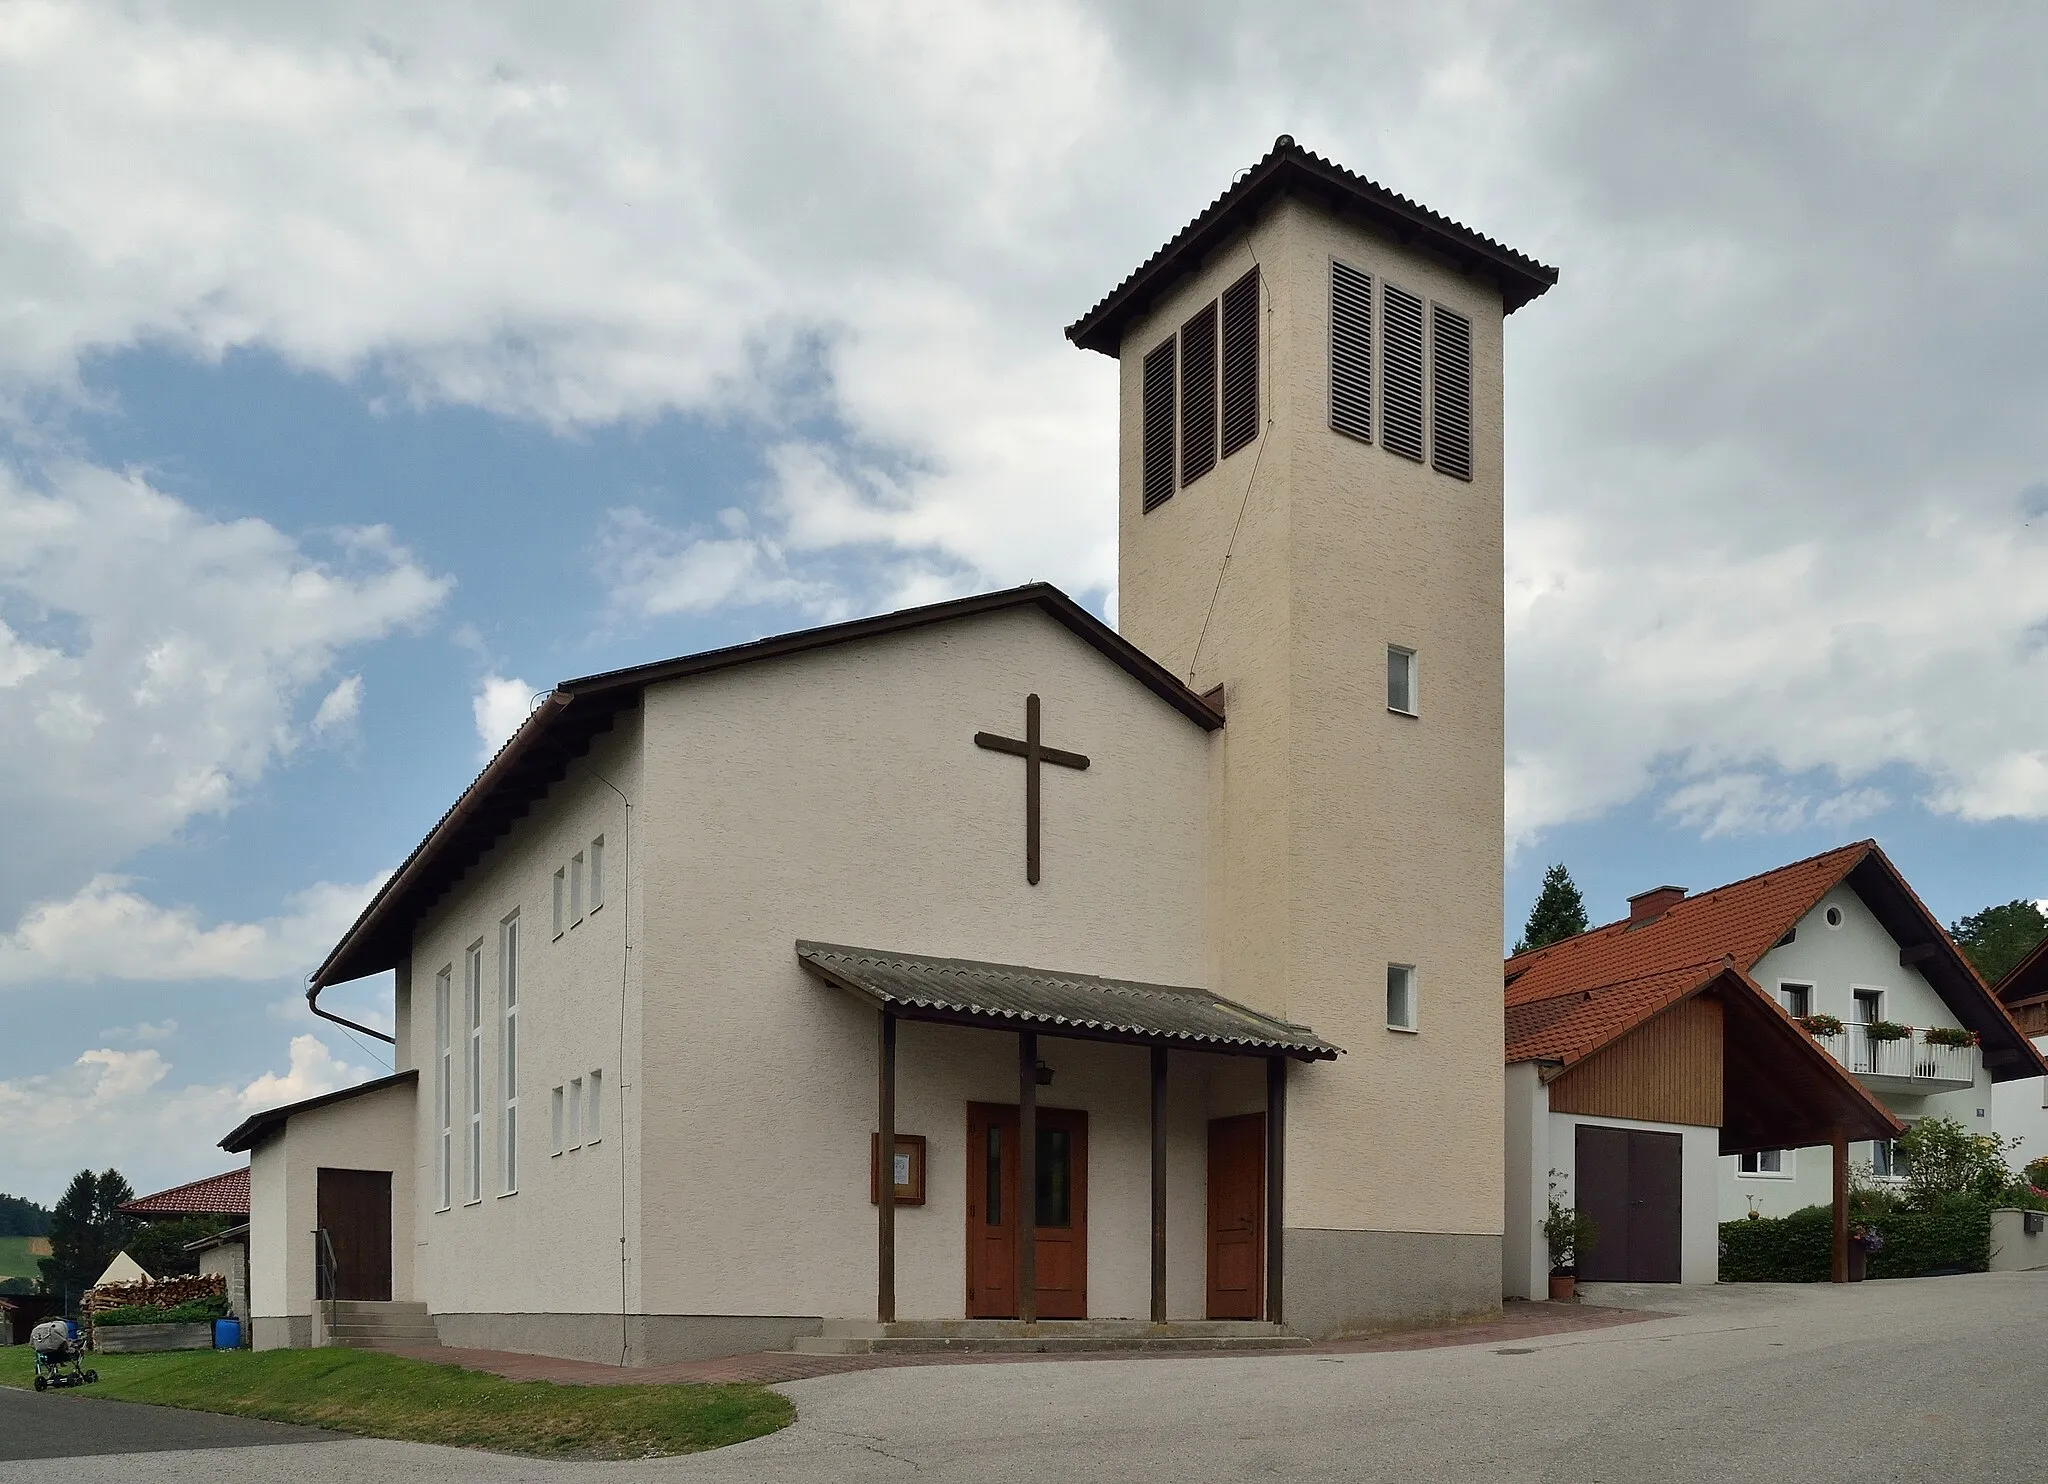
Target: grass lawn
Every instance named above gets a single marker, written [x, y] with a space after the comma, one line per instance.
[16, 1261]
[392, 1396]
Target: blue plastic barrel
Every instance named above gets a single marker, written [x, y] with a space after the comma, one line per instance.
[227, 1334]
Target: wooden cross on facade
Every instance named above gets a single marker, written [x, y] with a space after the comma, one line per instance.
[1034, 753]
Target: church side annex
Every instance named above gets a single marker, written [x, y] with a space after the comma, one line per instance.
[1193, 925]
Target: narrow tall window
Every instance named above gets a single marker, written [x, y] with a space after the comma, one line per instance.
[593, 1126]
[575, 888]
[597, 873]
[444, 1090]
[1159, 459]
[555, 1099]
[1241, 363]
[575, 1112]
[561, 892]
[508, 1072]
[1401, 372]
[1400, 997]
[1450, 392]
[1401, 680]
[1198, 395]
[473, 1019]
[1350, 351]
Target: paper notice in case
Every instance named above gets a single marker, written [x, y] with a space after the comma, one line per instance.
[901, 1173]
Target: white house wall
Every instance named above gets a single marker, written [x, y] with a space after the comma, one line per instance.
[1699, 1155]
[1837, 961]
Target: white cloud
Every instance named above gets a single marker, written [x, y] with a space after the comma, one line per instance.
[147, 1030]
[117, 1108]
[501, 704]
[157, 657]
[339, 708]
[107, 931]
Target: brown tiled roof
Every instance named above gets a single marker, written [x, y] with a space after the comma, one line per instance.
[216, 1195]
[1288, 167]
[1568, 1000]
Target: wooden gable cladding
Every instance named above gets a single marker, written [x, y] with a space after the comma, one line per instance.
[1667, 1070]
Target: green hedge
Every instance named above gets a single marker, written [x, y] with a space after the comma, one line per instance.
[195, 1312]
[1796, 1248]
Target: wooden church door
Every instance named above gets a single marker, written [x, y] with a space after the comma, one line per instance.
[1237, 1201]
[1061, 1198]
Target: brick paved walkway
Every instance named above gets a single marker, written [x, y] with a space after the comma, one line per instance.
[1519, 1320]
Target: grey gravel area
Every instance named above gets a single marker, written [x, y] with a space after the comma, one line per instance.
[1897, 1381]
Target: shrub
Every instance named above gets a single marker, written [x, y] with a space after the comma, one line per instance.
[197, 1311]
[1799, 1248]
[2037, 1173]
[1944, 1159]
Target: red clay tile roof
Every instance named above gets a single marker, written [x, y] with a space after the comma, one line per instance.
[217, 1195]
[1568, 1000]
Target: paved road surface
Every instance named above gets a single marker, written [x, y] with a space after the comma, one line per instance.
[73, 1424]
[1931, 1379]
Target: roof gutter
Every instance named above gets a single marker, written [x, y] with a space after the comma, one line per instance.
[313, 1004]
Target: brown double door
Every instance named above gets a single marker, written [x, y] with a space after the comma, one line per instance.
[354, 1208]
[1060, 1195]
[1628, 1181]
[1237, 1204]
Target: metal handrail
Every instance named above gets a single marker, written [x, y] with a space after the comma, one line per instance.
[330, 1272]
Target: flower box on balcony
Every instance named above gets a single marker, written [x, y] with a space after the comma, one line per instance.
[1949, 1035]
[1820, 1025]
[1887, 1030]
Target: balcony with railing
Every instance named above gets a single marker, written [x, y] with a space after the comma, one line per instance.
[1910, 1063]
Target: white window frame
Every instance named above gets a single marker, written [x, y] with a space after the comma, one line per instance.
[508, 1060]
[444, 1088]
[575, 1133]
[1784, 1171]
[576, 888]
[1412, 1024]
[593, 1126]
[1857, 991]
[555, 1144]
[1802, 984]
[559, 884]
[596, 873]
[473, 1019]
[1414, 680]
[1891, 1171]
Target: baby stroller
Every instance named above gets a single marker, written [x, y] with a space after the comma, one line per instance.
[58, 1356]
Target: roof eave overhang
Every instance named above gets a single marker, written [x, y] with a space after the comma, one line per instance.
[258, 1127]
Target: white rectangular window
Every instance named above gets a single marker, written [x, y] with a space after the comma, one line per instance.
[444, 1089]
[1400, 997]
[575, 888]
[576, 1113]
[593, 1125]
[555, 1120]
[1887, 1162]
[560, 904]
[1401, 686]
[508, 1070]
[597, 873]
[473, 1020]
[1796, 998]
[1766, 1162]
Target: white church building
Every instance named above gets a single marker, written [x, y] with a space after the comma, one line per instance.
[1195, 922]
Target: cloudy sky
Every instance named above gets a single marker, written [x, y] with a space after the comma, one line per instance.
[367, 368]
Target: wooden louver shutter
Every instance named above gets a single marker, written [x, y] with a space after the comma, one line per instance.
[1350, 351]
[1241, 363]
[1401, 372]
[1198, 395]
[1159, 424]
[1450, 392]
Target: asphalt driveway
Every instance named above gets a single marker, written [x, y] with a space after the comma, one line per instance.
[75, 1424]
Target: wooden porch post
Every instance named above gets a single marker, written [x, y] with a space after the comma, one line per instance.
[1159, 1185]
[1027, 1176]
[1839, 1265]
[885, 1176]
[1276, 1183]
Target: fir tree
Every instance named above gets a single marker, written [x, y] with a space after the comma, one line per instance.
[1559, 913]
[86, 1230]
[1996, 939]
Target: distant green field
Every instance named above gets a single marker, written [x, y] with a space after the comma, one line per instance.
[15, 1261]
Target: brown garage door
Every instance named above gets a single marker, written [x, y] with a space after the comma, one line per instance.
[354, 1209]
[1628, 1182]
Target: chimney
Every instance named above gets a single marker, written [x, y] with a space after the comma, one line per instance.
[1648, 906]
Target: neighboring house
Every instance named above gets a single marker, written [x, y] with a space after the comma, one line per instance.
[226, 1194]
[2019, 1109]
[1840, 935]
[225, 1255]
[993, 886]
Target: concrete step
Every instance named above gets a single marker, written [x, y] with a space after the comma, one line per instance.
[412, 1332]
[358, 1310]
[1054, 1336]
[386, 1343]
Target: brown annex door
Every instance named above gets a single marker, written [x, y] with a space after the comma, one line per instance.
[1628, 1182]
[1237, 1235]
[992, 1207]
[354, 1209]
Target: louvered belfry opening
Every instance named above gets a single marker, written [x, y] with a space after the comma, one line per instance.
[1241, 363]
[1401, 356]
[1350, 351]
[1159, 460]
[1198, 395]
[1450, 392]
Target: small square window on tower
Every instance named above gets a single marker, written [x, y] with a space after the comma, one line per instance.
[1401, 695]
[1401, 997]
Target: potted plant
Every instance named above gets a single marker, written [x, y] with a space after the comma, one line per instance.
[1822, 1026]
[1887, 1030]
[1949, 1035]
[1570, 1234]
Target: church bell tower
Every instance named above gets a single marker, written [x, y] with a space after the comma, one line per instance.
[1310, 527]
